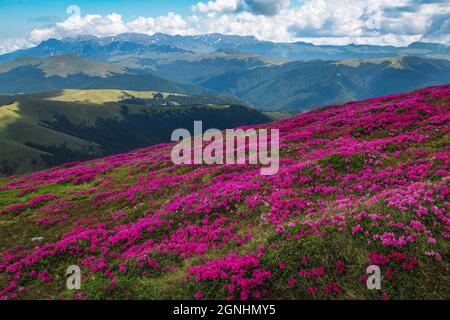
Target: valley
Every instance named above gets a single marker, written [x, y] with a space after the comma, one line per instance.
[46, 129]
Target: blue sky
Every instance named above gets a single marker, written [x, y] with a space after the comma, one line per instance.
[17, 17]
[25, 23]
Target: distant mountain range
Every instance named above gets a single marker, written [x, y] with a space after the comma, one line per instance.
[144, 46]
[45, 129]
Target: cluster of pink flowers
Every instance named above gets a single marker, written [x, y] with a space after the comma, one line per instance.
[406, 262]
[32, 203]
[240, 275]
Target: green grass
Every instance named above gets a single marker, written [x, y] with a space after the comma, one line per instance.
[101, 96]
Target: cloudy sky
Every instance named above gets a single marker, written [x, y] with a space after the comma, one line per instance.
[25, 23]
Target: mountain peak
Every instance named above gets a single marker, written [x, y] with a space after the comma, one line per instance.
[50, 42]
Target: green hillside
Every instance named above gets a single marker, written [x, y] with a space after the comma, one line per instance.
[264, 83]
[304, 85]
[64, 65]
[46, 129]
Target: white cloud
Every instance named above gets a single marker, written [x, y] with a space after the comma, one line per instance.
[172, 24]
[318, 21]
[96, 25]
[114, 24]
[339, 22]
[39, 35]
[220, 6]
[13, 44]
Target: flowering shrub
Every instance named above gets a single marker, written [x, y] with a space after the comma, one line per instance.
[362, 183]
[238, 275]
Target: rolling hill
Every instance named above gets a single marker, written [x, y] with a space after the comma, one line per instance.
[304, 85]
[360, 184]
[46, 129]
[28, 75]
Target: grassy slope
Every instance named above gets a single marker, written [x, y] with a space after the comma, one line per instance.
[100, 96]
[341, 167]
[21, 123]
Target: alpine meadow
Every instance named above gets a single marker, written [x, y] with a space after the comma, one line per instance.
[227, 157]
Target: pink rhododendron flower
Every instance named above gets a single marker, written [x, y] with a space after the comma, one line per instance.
[198, 295]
